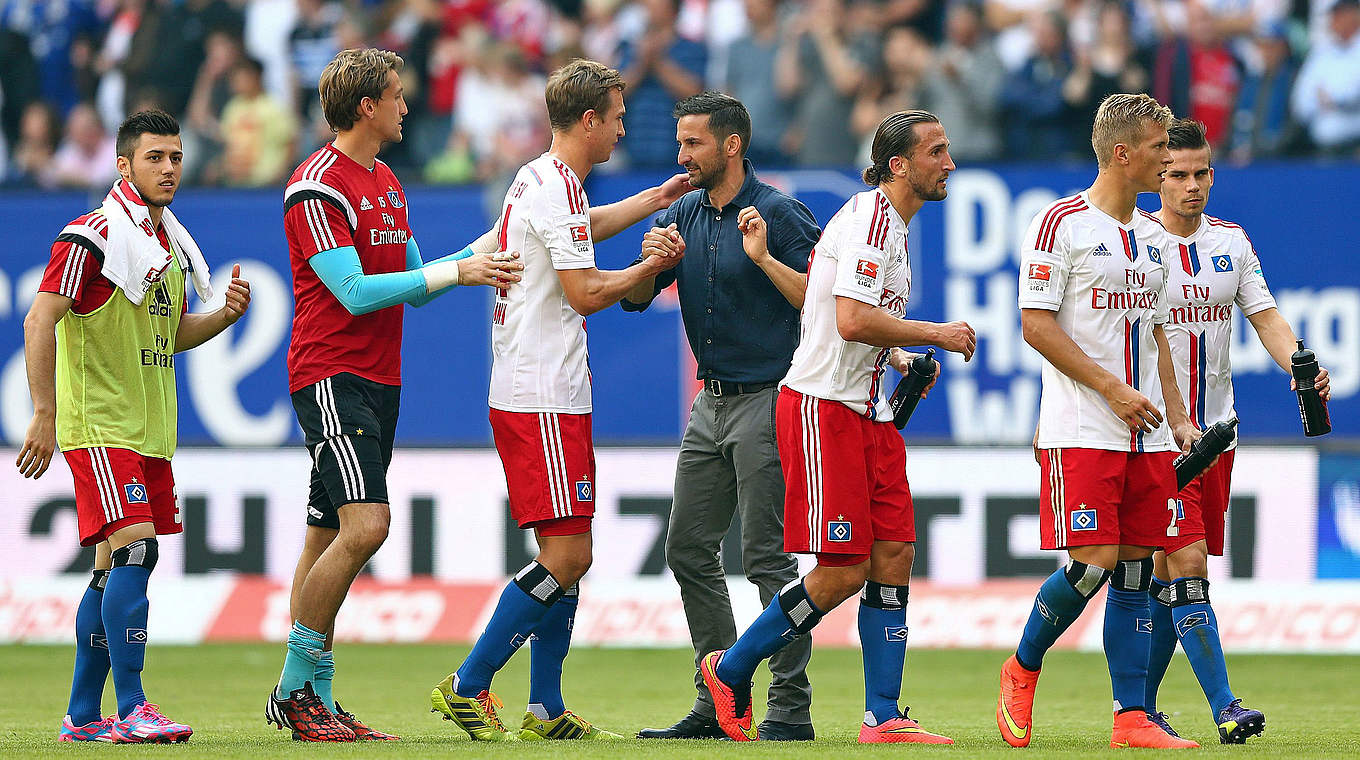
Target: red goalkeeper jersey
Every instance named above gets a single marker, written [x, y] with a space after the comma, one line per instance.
[333, 202]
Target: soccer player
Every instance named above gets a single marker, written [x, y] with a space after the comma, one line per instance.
[1213, 265]
[846, 498]
[355, 263]
[540, 402]
[1092, 303]
[99, 342]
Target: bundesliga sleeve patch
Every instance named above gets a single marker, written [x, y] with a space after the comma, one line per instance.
[580, 237]
[866, 273]
[1039, 276]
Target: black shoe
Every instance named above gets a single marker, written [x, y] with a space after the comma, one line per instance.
[775, 731]
[692, 726]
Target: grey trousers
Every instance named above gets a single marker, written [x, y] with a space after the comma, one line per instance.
[729, 464]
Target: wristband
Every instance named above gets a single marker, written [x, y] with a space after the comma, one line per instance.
[440, 274]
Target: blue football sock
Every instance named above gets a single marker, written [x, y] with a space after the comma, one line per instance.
[124, 611]
[299, 667]
[547, 649]
[1163, 645]
[1128, 632]
[883, 646]
[522, 606]
[324, 679]
[790, 614]
[1057, 606]
[92, 655]
[1195, 626]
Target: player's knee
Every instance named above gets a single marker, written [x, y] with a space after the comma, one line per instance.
[1192, 560]
[143, 553]
[368, 529]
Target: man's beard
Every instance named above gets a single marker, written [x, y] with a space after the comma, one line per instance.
[928, 192]
[706, 179]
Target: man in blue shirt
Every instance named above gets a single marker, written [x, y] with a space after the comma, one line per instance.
[741, 286]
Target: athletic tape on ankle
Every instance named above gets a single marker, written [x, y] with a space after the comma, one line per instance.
[803, 615]
[1189, 591]
[883, 596]
[1132, 575]
[537, 582]
[144, 552]
[1086, 579]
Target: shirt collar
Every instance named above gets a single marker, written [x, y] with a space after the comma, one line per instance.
[743, 197]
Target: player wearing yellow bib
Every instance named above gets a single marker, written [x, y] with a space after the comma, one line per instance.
[99, 342]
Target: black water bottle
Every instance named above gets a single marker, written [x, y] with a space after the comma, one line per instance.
[908, 391]
[1312, 409]
[1215, 441]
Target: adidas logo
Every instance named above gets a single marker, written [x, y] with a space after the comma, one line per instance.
[1101, 250]
[364, 205]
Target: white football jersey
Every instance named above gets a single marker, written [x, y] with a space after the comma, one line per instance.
[1106, 282]
[1209, 271]
[538, 342]
[862, 254]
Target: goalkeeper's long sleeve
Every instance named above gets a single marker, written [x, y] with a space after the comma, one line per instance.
[361, 293]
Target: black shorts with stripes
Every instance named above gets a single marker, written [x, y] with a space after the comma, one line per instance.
[349, 424]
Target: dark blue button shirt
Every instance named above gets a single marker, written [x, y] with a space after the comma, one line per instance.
[740, 327]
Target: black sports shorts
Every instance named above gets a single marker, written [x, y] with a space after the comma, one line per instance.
[348, 424]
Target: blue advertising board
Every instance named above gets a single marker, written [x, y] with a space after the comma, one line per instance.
[963, 254]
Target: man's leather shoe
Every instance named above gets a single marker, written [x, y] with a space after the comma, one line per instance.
[775, 731]
[692, 726]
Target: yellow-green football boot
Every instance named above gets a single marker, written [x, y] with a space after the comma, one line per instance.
[475, 715]
[568, 725]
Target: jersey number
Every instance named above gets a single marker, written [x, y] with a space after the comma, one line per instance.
[1177, 509]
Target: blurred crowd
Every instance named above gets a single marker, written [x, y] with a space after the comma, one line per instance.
[1012, 80]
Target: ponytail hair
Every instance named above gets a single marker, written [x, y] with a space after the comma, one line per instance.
[896, 136]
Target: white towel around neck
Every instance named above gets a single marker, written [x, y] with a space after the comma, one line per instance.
[133, 258]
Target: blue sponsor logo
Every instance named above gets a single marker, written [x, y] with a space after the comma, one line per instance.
[584, 491]
[1083, 519]
[136, 635]
[394, 199]
[1143, 625]
[1222, 263]
[1193, 620]
[838, 531]
[1155, 254]
[1101, 250]
[135, 492]
[895, 633]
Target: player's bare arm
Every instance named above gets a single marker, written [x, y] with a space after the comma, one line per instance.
[858, 321]
[901, 359]
[591, 290]
[40, 357]
[197, 329]
[1177, 417]
[610, 219]
[1279, 340]
[791, 283]
[1041, 331]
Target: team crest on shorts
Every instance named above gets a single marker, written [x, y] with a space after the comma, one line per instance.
[585, 491]
[1084, 519]
[135, 492]
[838, 531]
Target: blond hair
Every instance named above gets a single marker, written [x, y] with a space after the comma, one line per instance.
[349, 78]
[581, 85]
[1120, 119]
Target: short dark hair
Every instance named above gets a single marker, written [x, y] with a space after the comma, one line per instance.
[152, 121]
[726, 115]
[1186, 134]
[896, 136]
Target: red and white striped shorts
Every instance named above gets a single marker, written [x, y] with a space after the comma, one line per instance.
[116, 488]
[549, 462]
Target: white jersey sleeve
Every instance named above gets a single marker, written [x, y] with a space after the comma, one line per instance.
[1044, 263]
[859, 272]
[1253, 295]
[562, 223]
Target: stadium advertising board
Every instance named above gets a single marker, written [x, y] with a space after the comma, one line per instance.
[233, 391]
[451, 545]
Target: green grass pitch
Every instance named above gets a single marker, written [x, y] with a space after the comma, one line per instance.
[1310, 703]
